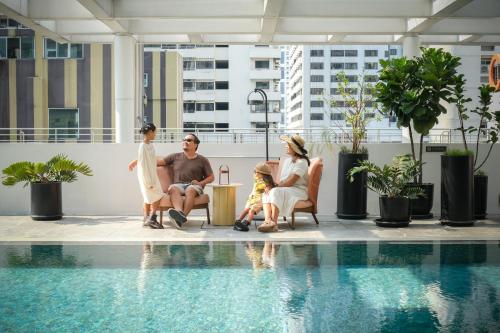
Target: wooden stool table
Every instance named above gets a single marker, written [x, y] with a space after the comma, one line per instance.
[224, 203]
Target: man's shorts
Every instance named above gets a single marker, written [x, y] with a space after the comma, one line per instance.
[184, 187]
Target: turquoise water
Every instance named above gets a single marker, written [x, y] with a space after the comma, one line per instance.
[251, 287]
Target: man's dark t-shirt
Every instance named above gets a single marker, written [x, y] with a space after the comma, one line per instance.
[186, 170]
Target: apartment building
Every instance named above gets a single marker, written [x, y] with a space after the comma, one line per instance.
[312, 81]
[217, 79]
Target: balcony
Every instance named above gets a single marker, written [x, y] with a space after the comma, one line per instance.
[264, 52]
[263, 74]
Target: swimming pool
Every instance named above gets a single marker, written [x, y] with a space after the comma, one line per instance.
[251, 287]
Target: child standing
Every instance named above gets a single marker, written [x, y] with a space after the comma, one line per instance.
[262, 180]
[148, 178]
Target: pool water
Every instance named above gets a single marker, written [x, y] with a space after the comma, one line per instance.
[251, 287]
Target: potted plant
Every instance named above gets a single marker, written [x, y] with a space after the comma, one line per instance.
[412, 90]
[45, 182]
[390, 182]
[485, 118]
[355, 111]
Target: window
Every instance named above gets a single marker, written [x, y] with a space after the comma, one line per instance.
[221, 85]
[221, 64]
[369, 104]
[371, 78]
[189, 107]
[371, 53]
[221, 127]
[204, 85]
[221, 45]
[188, 85]
[186, 46]
[336, 116]
[316, 104]
[334, 91]
[350, 78]
[337, 53]
[351, 53]
[221, 106]
[169, 46]
[261, 64]
[393, 51]
[317, 53]
[54, 50]
[337, 65]
[264, 85]
[17, 47]
[351, 65]
[316, 116]
[297, 117]
[371, 65]
[145, 80]
[189, 64]
[316, 65]
[205, 106]
[317, 78]
[316, 91]
[204, 64]
[63, 123]
[7, 23]
[488, 48]
[338, 104]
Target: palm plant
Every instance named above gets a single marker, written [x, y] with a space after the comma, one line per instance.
[58, 169]
[391, 180]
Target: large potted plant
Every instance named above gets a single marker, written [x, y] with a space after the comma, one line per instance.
[487, 129]
[356, 109]
[390, 182]
[412, 90]
[45, 182]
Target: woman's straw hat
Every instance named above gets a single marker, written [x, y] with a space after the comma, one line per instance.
[296, 143]
[263, 168]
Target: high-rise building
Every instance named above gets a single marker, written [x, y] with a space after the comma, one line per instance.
[312, 81]
[217, 80]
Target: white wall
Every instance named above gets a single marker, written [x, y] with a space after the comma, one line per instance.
[114, 191]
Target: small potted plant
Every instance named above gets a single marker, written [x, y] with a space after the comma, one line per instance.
[356, 112]
[391, 183]
[45, 182]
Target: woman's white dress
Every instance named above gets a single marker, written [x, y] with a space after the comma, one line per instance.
[146, 172]
[285, 198]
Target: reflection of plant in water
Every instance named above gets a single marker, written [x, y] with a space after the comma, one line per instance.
[44, 256]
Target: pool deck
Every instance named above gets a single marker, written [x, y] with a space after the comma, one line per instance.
[128, 229]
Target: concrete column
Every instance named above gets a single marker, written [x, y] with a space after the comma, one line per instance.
[411, 49]
[125, 83]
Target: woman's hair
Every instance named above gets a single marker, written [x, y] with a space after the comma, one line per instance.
[304, 153]
[268, 180]
[147, 127]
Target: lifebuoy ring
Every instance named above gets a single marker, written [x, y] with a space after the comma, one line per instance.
[494, 82]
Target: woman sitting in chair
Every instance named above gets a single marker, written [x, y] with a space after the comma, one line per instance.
[292, 186]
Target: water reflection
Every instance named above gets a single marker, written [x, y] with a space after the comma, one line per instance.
[339, 286]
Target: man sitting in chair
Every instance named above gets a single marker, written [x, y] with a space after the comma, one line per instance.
[191, 172]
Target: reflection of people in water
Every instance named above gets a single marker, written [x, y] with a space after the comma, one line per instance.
[264, 257]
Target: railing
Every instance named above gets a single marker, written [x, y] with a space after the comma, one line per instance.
[232, 135]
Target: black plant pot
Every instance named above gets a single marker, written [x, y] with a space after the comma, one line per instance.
[421, 206]
[457, 190]
[394, 212]
[46, 201]
[351, 197]
[480, 196]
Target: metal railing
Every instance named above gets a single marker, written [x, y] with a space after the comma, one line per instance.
[232, 135]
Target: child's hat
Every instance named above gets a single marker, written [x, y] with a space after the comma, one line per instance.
[263, 168]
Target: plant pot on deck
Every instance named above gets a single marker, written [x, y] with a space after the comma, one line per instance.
[351, 197]
[422, 205]
[457, 190]
[46, 201]
[394, 212]
[480, 196]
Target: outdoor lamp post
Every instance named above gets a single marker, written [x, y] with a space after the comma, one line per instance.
[259, 102]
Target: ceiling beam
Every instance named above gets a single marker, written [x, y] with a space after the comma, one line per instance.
[195, 38]
[468, 38]
[269, 21]
[440, 10]
[105, 15]
[31, 24]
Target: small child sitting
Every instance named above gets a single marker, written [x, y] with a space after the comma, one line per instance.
[262, 180]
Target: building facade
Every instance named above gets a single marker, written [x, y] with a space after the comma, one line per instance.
[312, 81]
[218, 79]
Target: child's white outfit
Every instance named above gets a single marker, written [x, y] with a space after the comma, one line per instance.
[146, 173]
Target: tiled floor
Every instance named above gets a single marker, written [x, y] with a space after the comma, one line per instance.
[129, 229]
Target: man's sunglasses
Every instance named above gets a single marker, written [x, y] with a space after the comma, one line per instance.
[187, 140]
